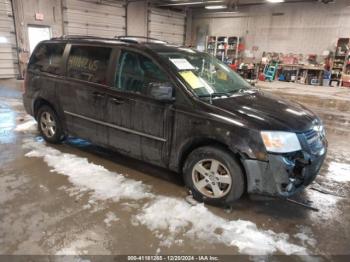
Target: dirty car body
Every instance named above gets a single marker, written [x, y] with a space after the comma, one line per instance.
[280, 146]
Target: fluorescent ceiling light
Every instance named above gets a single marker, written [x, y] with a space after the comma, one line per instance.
[275, 1]
[225, 13]
[212, 7]
[193, 3]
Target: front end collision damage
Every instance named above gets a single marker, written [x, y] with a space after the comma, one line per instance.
[282, 175]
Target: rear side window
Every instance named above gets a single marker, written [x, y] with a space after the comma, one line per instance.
[48, 58]
[89, 63]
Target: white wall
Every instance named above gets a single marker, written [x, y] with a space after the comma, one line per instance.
[303, 28]
[24, 12]
[163, 24]
[101, 18]
[137, 14]
[8, 55]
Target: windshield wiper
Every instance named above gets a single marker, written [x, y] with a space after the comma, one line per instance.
[228, 93]
[214, 95]
[239, 90]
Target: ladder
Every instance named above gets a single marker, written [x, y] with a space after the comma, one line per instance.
[270, 71]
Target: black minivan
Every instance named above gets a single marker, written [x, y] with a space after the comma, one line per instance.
[176, 108]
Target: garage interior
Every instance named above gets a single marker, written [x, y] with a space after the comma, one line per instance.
[296, 49]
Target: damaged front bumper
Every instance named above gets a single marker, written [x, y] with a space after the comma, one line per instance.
[283, 174]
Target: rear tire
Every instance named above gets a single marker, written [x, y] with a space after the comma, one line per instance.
[50, 125]
[213, 176]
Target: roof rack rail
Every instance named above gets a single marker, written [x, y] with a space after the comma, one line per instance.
[68, 37]
[128, 39]
[139, 39]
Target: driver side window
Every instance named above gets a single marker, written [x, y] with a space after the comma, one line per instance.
[136, 72]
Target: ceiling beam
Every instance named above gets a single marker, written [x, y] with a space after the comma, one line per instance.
[231, 4]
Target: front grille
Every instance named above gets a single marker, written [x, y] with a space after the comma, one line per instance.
[313, 140]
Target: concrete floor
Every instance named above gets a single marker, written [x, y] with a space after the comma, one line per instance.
[46, 209]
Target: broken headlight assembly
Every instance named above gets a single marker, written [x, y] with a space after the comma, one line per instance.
[320, 129]
[280, 141]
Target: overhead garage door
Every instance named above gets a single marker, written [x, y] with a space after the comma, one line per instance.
[167, 25]
[8, 55]
[95, 18]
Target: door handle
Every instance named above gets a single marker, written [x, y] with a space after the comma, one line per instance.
[117, 101]
[98, 95]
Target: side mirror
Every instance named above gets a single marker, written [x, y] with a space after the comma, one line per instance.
[161, 91]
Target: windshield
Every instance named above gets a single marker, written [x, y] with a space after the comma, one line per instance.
[204, 74]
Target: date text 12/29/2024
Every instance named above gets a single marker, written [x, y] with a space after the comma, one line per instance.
[173, 258]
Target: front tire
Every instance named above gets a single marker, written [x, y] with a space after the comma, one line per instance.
[213, 176]
[50, 126]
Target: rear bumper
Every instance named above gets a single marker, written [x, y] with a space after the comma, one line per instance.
[282, 175]
[27, 103]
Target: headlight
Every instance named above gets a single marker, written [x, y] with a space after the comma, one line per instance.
[320, 130]
[280, 142]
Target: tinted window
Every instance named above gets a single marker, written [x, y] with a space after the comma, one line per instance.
[89, 63]
[135, 73]
[48, 58]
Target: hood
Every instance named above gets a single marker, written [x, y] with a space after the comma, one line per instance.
[267, 112]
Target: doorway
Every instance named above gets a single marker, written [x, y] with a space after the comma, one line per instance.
[37, 34]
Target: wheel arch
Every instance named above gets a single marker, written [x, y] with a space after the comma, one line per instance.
[205, 142]
[194, 144]
[38, 103]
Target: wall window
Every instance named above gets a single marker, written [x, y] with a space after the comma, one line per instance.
[135, 72]
[89, 63]
[48, 58]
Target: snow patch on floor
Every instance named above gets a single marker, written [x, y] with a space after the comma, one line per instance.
[110, 218]
[325, 203]
[12, 102]
[78, 247]
[94, 206]
[306, 236]
[130, 207]
[86, 176]
[89, 242]
[28, 126]
[339, 172]
[171, 218]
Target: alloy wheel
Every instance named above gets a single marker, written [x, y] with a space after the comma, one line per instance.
[211, 178]
[48, 124]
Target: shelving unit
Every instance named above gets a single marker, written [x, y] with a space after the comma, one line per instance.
[221, 46]
[340, 66]
[211, 45]
[345, 80]
[225, 48]
[233, 51]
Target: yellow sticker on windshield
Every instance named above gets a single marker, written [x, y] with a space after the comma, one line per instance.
[222, 75]
[191, 79]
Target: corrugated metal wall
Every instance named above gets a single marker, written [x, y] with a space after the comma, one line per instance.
[303, 28]
[167, 25]
[8, 55]
[90, 17]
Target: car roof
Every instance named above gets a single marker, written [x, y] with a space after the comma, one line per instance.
[135, 41]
